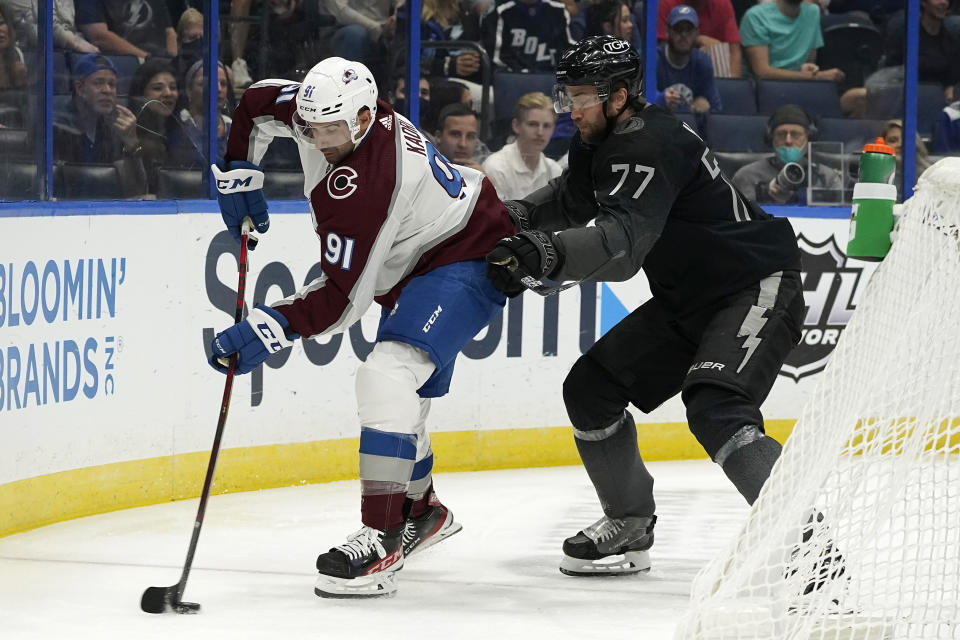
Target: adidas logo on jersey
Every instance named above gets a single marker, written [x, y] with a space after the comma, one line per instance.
[387, 122]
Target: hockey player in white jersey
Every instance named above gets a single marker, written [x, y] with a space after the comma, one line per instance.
[398, 225]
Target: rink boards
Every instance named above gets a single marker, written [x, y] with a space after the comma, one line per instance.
[106, 400]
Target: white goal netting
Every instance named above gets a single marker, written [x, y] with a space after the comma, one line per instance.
[856, 534]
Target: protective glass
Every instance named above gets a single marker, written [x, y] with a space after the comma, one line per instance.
[321, 135]
[586, 97]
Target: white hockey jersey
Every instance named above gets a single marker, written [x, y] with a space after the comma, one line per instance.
[394, 209]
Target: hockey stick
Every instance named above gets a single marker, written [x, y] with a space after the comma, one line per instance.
[165, 599]
[547, 287]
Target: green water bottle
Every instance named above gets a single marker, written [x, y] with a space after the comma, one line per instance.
[874, 195]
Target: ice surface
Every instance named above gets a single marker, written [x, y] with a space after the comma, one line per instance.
[254, 569]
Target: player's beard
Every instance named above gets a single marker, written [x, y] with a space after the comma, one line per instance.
[595, 132]
[590, 133]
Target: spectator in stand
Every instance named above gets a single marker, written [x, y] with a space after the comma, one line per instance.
[456, 136]
[239, 31]
[788, 130]
[366, 28]
[189, 42]
[685, 74]
[520, 167]
[65, 34]
[527, 35]
[599, 17]
[397, 97]
[187, 142]
[939, 49]
[13, 71]
[153, 98]
[946, 135]
[781, 39]
[128, 27]
[442, 93]
[609, 17]
[892, 134]
[719, 36]
[94, 129]
[448, 20]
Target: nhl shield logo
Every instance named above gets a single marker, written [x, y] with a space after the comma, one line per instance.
[830, 288]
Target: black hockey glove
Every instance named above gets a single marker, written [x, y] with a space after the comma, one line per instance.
[520, 262]
[517, 213]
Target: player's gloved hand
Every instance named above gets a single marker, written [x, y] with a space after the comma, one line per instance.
[240, 194]
[254, 339]
[528, 255]
[518, 213]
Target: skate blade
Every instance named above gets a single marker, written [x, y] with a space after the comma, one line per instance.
[629, 563]
[380, 585]
[439, 536]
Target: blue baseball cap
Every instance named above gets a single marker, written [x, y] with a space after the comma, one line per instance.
[682, 12]
[91, 63]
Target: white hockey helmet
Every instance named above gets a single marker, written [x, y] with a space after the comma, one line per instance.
[334, 90]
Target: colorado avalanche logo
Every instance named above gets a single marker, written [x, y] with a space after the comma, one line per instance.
[341, 183]
[349, 76]
[616, 46]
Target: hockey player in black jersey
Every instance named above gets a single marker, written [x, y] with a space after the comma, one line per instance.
[726, 308]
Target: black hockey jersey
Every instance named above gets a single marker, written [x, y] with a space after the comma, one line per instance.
[522, 36]
[659, 201]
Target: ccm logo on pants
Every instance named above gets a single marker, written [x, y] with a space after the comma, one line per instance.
[433, 318]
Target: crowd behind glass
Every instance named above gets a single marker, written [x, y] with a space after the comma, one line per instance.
[129, 119]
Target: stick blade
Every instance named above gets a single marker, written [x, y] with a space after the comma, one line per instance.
[164, 600]
[158, 599]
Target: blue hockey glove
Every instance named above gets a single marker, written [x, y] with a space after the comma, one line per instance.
[255, 339]
[240, 194]
[521, 261]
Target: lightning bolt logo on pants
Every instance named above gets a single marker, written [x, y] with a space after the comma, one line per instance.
[753, 323]
[750, 328]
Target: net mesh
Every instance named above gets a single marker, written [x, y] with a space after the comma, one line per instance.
[857, 531]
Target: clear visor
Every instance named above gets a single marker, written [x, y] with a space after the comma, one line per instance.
[321, 135]
[566, 99]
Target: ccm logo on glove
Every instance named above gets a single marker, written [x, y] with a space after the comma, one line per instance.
[240, 196]
[269, 338]
[261, 334]
[241, 176]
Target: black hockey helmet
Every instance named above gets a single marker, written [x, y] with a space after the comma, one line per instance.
[600, 61]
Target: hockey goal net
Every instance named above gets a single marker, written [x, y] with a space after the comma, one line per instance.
[857, 532]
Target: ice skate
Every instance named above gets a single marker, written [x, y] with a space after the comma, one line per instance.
[426, 530]
[825, 572]
[609, 547]
[364, 567]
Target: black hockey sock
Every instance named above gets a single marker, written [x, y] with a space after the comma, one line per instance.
[612, 461]
[749, 465]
